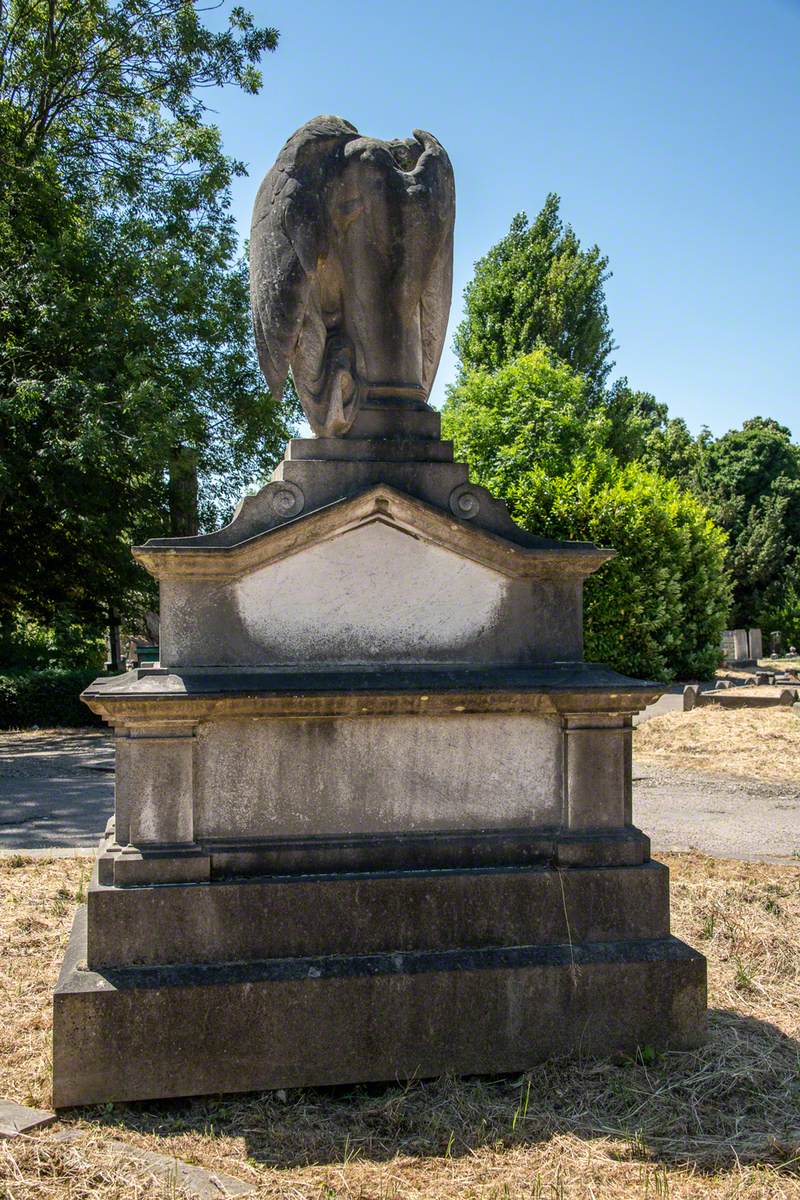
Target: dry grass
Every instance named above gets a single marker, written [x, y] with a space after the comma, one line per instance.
[721, 1122]
[760, 743]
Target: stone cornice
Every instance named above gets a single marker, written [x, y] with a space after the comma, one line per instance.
[383, 504]
[201, 695]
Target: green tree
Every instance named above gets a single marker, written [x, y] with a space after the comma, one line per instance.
[658, 609]
[534, 414]
[783, 614]
[537, 286]
[126, 365]
[641, 430]
[532, 434]
[750, 479]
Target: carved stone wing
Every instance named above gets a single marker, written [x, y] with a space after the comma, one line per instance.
[435, 171]
[287, 239]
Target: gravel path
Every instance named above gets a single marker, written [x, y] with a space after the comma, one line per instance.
[722, 815]
[57, 792]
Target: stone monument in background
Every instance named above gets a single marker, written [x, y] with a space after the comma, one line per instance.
[373, 810]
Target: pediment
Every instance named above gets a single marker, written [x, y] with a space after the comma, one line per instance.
[403, 515]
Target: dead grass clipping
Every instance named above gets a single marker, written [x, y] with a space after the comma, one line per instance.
[760, 743]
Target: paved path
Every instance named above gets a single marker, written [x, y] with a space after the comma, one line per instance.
[671, 701]
[56, 789]
[724, 816]
[57, 792]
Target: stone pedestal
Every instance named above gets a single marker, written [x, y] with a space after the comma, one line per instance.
[373, 811]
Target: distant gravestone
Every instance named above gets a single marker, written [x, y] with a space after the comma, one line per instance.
[736, 645]
[728, 646]
[775, 642]
[741, 645]
[756, 644]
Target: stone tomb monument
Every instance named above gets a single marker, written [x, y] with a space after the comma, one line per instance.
[373, 810]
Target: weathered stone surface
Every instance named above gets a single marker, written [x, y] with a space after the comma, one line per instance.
[749, 697]
[387, 593]
[728, 646]
[407, 467]
[373, 815]
[556, 687]
[755, 644]
[372, 578]
[440, 850]
[385, 420]
[741, 645]
[358, 773]
[736, 646]
[174, 1031]
[369, 913]
[596, 771]
[398, 449]
[377, 775]
[187, 1179]
[351, 268]
[18, 1118]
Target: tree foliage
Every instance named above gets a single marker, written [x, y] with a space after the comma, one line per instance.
[534, 414]
[658, 609]
[537, 286]
[750, 478]
[125, 347]
[532, 434]
[519, 416]
[47, 698]
[641, 430]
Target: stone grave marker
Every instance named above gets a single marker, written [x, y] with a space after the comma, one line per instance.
[373, 809]
[728, 646]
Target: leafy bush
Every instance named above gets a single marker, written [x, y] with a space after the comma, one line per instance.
[531, 434]
[658, 609]
[536, 412]
[25, 644]
[45, 698]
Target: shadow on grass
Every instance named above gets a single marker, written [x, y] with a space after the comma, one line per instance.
[734, 1101]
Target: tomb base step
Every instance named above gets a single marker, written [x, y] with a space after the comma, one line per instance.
[281, 917]
[157, 1032]
[234, 858]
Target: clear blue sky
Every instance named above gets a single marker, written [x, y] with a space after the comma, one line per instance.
[670, 130]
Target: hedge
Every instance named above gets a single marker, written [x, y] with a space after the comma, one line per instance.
[46, 698]
[529, 433]
[658, 609]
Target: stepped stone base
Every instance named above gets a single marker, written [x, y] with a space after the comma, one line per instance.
[304, 916]
[373, 810]
[144, 1032]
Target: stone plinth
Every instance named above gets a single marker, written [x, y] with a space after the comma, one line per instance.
[183, 1030]
[373, 810]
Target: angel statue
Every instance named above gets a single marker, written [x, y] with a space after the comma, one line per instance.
[351, 269]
